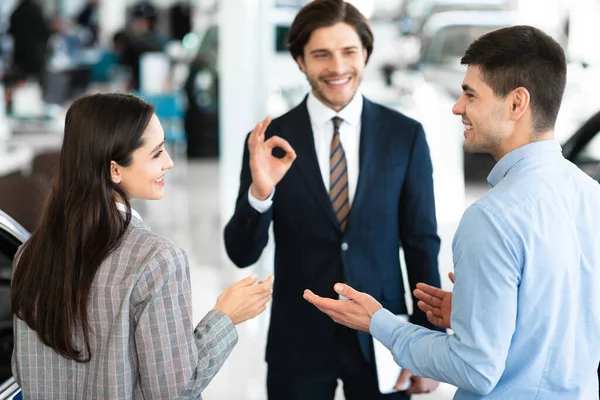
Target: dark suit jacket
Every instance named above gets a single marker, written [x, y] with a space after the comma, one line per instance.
[393, 206]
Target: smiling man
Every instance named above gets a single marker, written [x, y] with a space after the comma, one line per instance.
[526, 306]
[355, 183]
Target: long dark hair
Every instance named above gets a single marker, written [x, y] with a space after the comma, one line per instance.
[81, 224]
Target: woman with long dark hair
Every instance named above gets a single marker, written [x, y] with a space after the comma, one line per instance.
[102, 305]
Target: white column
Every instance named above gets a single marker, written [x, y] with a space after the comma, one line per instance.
[242, 89]
[113, 14]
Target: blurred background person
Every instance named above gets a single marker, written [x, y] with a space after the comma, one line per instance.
[89, 19]
[141, 36]
[30, 31]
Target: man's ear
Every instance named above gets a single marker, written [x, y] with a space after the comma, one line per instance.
[520, 99]
[116, 172]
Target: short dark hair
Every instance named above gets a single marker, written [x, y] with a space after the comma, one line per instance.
[523, 56]
[324, 13]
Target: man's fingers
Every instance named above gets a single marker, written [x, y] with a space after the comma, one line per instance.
[318, 300]
[263, 125]
[437, 312]
[434, 320]
[424, 306]
[331, 313]
[312, 298]
[451, 276]
[333, 308]
[405, 375]
[427, 298]
[346, 291]
[254, 139]
[430, 290]
[257, 136]
[276, 141]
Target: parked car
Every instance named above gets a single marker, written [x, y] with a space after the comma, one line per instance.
[12, 235]
[415, 13]
[583, 148]
[446, 36]
[445, 39]
[464, 20]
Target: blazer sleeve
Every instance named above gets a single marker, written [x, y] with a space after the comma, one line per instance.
[247, 232]
[175, 360]
[418, 224]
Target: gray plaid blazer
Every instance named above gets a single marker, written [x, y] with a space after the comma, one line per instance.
[143, 343]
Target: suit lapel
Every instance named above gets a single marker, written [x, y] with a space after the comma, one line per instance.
[369, 136]
[302, 140]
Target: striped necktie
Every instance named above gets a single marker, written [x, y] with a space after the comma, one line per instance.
[338, 178]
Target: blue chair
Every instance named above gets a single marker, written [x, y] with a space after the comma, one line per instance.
[104, 69]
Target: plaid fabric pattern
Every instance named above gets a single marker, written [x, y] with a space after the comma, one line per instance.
[143, 343]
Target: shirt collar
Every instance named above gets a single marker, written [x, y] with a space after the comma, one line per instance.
[320, 114]
[506, 163]
[134, 213]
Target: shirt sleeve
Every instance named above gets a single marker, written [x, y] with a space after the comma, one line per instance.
[487, 265]
[262, 206]
[176, 361]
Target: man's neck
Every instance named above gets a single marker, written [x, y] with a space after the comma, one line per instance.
[517, 141]
[330, 106]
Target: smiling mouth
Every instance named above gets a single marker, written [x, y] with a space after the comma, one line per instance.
[159, 180]
[338, 81]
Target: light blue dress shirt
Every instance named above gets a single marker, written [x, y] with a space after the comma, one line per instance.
[526, 302]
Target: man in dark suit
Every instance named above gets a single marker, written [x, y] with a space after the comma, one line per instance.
[360, 188]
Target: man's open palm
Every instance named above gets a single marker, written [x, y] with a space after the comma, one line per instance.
[437, 303]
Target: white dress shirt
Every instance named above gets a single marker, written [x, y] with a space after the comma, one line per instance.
[134, 213]
[322, 127]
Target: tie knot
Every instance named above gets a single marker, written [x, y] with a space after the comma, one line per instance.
[337, 121]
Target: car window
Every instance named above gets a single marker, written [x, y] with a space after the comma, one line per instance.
[588, 158]
[417, 8]
[448, 45]
[210, 41]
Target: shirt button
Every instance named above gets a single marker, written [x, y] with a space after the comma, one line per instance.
[344, 246]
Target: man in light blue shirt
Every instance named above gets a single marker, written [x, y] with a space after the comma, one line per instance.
[526, 304]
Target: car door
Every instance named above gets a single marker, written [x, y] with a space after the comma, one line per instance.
[583, 148]
[12, 235]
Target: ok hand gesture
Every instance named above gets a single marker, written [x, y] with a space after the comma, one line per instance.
[267, 170]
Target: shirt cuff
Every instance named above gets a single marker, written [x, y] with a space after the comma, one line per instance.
[262, 206]
[382, 326]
